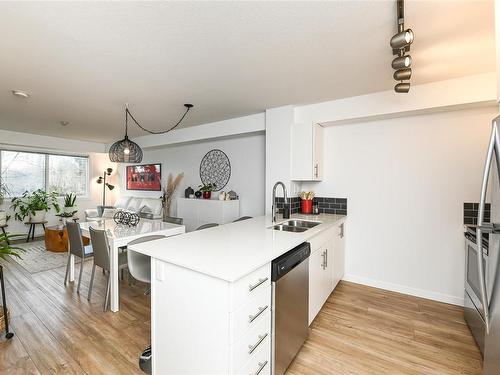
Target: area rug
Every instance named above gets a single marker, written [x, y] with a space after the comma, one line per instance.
[36, 259]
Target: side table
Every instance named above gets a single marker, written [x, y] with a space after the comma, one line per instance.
[56, 239]
[32, 225]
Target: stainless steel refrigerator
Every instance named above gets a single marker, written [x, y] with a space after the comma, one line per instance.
[483, 273]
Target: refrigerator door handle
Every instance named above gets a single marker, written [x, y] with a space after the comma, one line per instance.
[493, 149]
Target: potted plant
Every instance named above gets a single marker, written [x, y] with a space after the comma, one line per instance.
[34, 205]
[207, 189]
[4, 191]
[70, 204]
[6, 250]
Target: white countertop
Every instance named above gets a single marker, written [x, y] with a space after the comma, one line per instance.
[119, 231]
[233, 250]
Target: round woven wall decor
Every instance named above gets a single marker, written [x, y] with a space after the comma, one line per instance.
[215, 168]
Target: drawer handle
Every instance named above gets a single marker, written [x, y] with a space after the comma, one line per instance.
[261, 367]
[251, 318]
[261, 281]
[253, 347]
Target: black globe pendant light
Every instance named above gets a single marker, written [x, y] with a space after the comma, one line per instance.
[127, 151]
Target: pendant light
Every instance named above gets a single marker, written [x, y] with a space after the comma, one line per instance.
[127, 151]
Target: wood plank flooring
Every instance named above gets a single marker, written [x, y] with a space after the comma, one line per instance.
[360, 330]
[363, 330]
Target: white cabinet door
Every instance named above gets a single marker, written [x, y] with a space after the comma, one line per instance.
[339, 254]
[317, 152]
[316, 282]
[307, 152]
[329, 264]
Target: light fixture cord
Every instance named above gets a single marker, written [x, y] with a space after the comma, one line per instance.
[127, 113]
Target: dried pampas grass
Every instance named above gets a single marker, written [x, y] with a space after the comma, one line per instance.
[168, 192]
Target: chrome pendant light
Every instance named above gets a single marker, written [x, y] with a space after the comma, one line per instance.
[127, 151]
[400, 44]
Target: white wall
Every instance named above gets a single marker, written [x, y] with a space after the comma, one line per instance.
[247, 157]
[278, 150]
[406, 180]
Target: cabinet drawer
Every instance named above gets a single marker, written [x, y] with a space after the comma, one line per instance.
[250, 314]
[260, 364]
[247, 287]
[247, 347]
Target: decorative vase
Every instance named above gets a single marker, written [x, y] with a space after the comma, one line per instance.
[207, 194]
[39, 216]
[3, 218]
[222, 196]
[306, 206]
[197, 194]
[189, 191]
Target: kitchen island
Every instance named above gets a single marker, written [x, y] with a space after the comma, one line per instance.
[211, 297]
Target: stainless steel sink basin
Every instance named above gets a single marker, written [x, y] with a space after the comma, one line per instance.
[297, 226]
[288, 228]
[301, 223]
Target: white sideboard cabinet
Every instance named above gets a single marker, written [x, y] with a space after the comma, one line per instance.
[196, 212]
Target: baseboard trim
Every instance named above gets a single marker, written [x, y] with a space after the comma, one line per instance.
[446, 298]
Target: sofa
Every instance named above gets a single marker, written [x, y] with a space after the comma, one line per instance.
[150, 208]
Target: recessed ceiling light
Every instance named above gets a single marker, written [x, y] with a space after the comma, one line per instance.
[64, 123]
[20, 94]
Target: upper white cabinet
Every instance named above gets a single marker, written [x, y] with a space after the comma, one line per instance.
[307, 152]
[196, 212]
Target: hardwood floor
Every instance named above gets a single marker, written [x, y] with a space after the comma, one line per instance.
[363, 330]
[360, 330]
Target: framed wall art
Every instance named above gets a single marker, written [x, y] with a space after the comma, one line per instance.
[144, 177]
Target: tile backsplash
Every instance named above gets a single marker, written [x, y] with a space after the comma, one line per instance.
[326, 205]
[470, 212]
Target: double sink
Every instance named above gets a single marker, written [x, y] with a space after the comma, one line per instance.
[296, 226]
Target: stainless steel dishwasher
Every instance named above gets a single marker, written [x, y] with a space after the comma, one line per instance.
[290, 286]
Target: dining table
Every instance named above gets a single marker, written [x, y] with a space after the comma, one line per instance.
[119, 235]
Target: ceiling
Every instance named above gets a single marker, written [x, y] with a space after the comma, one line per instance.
[82, 61]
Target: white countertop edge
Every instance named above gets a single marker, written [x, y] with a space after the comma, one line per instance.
[231, 273]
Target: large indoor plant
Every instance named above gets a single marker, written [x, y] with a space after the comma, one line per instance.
[34, 205]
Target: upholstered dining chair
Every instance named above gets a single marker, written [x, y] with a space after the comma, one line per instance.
[76, 248]
[206, 226]
[173, 220]
[101, 259]
[242, 218]
[139, 265]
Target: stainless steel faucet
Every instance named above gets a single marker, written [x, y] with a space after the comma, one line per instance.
[275, 210]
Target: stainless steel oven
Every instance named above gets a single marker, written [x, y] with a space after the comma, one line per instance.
[474, 310]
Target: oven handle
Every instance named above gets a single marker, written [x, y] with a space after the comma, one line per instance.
[493, 148]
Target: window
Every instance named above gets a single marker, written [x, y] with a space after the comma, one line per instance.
[68, 174]
[23, 171]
